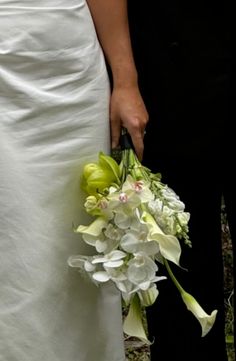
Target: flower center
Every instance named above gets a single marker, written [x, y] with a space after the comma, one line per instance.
[123, 198]
[138, 186]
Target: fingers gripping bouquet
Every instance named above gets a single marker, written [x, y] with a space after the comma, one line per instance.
[137, 222]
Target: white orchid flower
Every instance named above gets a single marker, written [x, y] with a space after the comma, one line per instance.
[133, 242]
[123, 202]
[123, 220]
[168, 244]
[127, 289]
[126, 221]
[142, 270]
[102, 243]
[116, 274]
[93, 234]
[108, 273]
[113, 259]
[132, 194]
[206, 321]
[139, 187]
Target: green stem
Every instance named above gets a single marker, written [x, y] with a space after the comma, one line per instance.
[173, 278]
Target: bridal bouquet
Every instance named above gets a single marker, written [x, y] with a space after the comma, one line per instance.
[137, 222]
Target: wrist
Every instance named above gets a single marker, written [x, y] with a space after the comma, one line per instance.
[124, 75]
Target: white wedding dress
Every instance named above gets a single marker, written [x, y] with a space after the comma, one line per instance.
[54, 95]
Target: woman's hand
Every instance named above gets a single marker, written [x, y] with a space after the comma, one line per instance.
[127, 110]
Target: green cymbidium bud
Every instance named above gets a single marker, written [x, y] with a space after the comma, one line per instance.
[99, 176]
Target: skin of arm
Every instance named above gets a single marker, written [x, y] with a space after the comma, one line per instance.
[127, 108]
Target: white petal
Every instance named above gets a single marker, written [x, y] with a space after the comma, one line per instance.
[122, 220]
[76, 261]
[89, 267]
[99, 260]
[129, 243]
[91, 240]
[101, 276]
[113, 264]
[150, 248]
[101, 246]
[144, 286]
[121, 286]
[115, 255]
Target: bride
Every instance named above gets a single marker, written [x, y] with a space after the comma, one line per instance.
[55, 108]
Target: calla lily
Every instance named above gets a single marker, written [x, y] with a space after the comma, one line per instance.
[133, 325]
[95, 228]
[206, 321]
[148, 297]
[169, 245]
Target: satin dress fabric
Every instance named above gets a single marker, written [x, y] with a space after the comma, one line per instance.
[54, 118]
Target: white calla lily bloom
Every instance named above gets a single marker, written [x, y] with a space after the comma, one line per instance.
[206, 321]
[148, 297]
[169, 245]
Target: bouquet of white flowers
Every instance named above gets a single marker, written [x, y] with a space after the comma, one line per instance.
[138, 222]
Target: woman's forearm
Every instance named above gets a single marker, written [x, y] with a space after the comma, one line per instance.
[111, 22]
[127, 108]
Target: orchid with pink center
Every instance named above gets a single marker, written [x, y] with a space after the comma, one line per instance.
[138, 187]
[131, 195]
